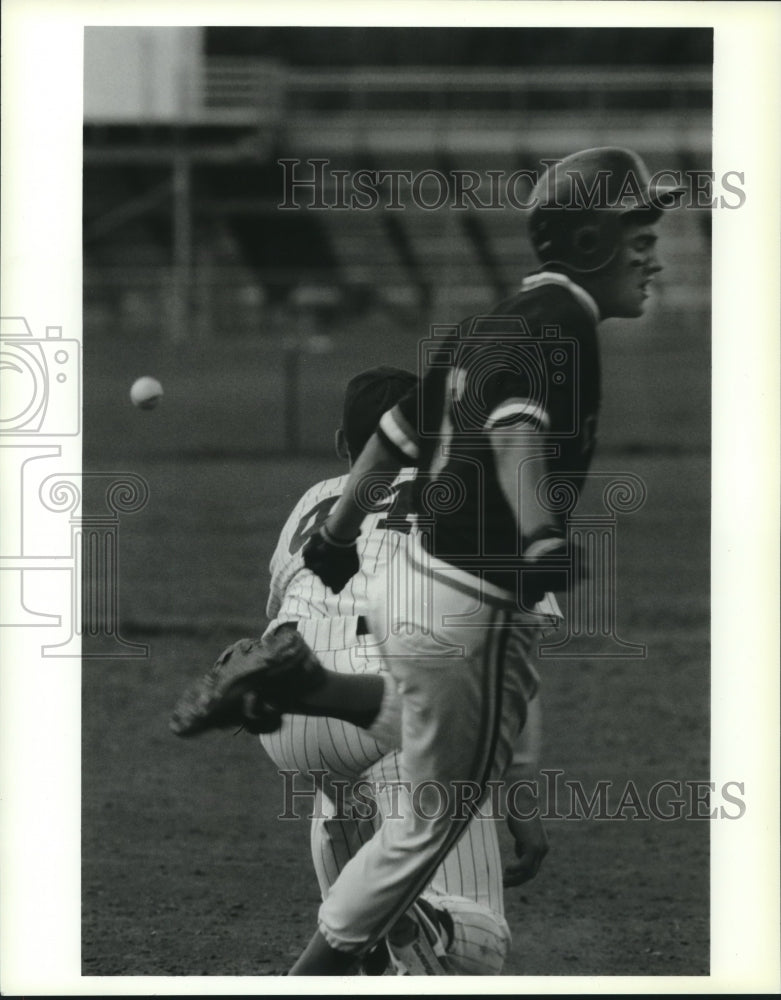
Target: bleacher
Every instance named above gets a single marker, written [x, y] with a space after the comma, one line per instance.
[191, 209]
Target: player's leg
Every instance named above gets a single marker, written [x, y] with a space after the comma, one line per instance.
[448, 756]
[460, 720]
[480, 937]
[466, 891]
[468, 885]
[336, 834]
[385, 878]
[463, 903]
[339, 754]
[472, 872]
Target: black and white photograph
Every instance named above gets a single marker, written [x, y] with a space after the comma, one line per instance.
[389, 425]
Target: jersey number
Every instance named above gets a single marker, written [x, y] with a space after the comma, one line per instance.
[399, 507]
[310, 522]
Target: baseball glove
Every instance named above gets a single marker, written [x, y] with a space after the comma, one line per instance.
[251, 684]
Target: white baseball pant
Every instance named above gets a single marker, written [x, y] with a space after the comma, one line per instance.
[467, 884]
[459, 653]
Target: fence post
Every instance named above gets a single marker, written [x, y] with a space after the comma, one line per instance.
[182, 244]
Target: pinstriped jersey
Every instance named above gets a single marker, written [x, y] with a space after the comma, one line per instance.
[528, 371]
[296, 593]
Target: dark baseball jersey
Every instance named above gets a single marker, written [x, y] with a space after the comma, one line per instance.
[529, 368]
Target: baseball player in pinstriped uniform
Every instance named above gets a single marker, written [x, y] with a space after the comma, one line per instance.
[465, 896]
[509, 400]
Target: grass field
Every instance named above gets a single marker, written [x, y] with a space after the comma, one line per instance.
[186, 870]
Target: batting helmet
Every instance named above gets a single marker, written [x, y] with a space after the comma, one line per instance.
[579, 202]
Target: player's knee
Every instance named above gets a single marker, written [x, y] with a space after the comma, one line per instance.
[480, 936]
[481, 951]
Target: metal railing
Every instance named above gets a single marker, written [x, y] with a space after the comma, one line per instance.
[246, 84]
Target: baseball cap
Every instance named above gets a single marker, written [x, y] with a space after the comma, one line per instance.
[368, 395]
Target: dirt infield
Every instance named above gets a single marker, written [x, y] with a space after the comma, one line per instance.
[186, 868]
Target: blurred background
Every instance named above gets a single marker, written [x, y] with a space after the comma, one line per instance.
[184, 128]
[254, 318]
[187, 253]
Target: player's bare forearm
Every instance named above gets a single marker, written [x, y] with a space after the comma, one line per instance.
[519, 468]
[521, 809]
[344, 521]
[354, 698]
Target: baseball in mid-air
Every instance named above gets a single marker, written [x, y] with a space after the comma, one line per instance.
[145, 393]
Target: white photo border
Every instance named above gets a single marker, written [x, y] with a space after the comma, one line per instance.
[40, 751]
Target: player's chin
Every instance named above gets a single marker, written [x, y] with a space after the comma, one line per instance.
[635, 307]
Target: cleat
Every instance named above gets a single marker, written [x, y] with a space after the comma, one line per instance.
[418, 942]
[376, 960]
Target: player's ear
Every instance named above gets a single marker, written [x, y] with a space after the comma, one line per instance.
[340, 443]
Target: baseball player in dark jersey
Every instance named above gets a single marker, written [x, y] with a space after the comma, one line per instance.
[465, 896]
[507, 409]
